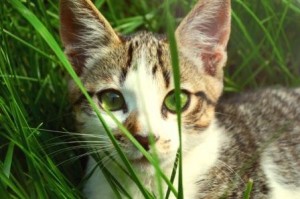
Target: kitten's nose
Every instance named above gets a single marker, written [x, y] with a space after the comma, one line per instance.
[144, 141]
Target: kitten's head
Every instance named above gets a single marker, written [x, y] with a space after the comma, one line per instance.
[132, 75]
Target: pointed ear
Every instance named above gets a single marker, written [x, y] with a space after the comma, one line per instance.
[84, 32]
[203, 35]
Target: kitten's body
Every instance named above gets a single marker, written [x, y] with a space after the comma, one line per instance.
[264, 129]
[225, 142]
[255, 139]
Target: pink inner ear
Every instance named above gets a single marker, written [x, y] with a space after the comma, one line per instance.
[219, 27]
[211, 61]
[83, 31]
[209, 18]
[204, 33]
[67, 24]
[69, 29]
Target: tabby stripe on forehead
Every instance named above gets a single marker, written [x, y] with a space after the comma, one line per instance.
[159, 56]
[166, 76]
[203, 96]
[125, 69]
[165, 72]
[154, 70]
[123, 75]
[129, 56]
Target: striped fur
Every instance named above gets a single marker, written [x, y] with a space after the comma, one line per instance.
[226, 141]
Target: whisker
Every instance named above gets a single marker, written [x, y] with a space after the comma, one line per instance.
[107, 159]
[71, 133]
[78, 157]
[79, 142]
[49, 130]
[72, 137]
[87, 147]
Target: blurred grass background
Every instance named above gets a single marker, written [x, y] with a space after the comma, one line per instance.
[34, 110]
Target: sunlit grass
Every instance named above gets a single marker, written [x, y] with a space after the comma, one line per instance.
[34, 105]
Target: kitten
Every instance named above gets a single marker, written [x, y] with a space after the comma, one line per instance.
[226, 142]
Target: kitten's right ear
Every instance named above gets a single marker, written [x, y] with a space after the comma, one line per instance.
[84, 32]
[204, 33]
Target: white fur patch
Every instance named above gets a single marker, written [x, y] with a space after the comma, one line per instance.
[202, 151]
[278, 191]
[144, 95]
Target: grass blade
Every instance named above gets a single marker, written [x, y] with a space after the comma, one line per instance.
[8, 160]
[41, 29]
[248, 189]
[176, 76]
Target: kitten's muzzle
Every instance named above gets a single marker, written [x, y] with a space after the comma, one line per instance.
[144, 141]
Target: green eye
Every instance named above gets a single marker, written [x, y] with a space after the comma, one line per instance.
[111, 100]
[170, 101]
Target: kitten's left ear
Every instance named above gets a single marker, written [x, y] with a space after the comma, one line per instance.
[203, 35]
[84, 32]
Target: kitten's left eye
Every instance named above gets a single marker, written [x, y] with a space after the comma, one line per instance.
[112, 100]
[170, 101]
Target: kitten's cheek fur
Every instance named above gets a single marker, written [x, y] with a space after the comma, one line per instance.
[92, 128]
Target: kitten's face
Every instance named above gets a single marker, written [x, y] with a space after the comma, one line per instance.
[132, 77]
[138, 78]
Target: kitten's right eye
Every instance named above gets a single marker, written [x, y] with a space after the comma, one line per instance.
[112, 100]
[170, 101]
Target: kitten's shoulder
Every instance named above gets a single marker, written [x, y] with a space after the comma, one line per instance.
[256, 96]
[261, 113]
[264, 127]
[271, 102]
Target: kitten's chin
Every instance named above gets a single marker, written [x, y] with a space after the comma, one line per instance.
[138, 158]
[141, 161]
[143, 164]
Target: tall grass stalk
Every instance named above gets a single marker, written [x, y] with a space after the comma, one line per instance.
[176, 76]
[57, 50]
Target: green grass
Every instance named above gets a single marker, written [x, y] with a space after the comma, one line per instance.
[34, 111]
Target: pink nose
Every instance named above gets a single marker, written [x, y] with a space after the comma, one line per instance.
[144, 141]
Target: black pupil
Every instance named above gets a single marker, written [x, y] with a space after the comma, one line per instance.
[114, 98]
